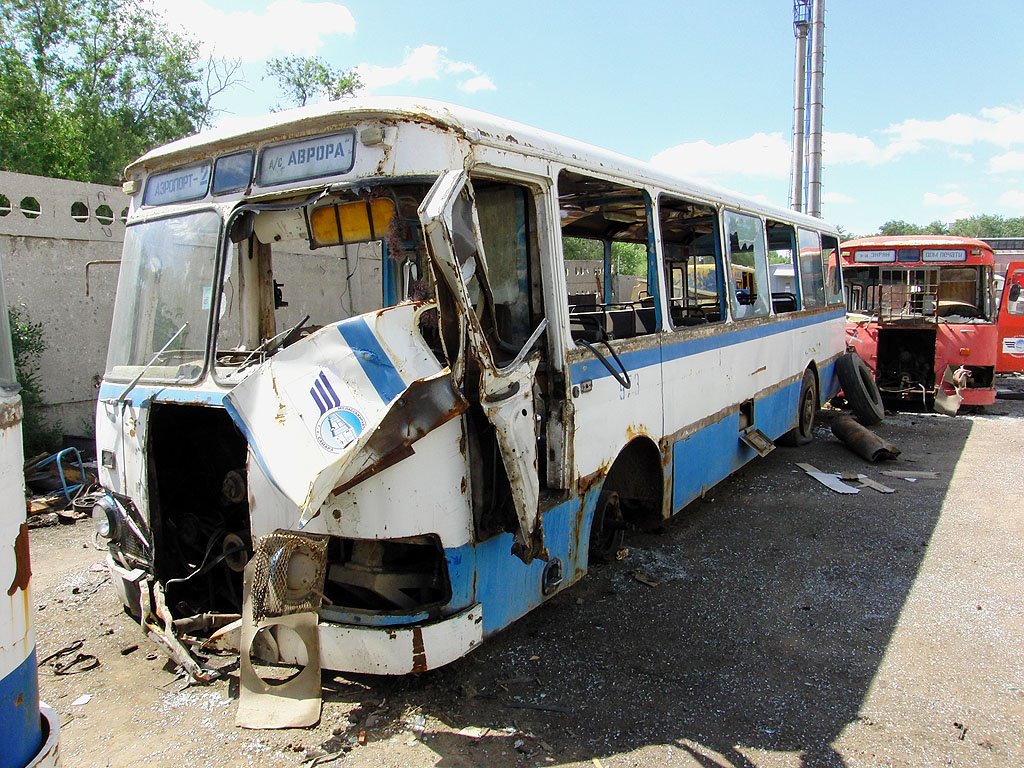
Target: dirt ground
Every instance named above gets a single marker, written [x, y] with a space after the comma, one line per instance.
[774, 624]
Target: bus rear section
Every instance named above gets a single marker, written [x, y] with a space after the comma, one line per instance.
[920, 313]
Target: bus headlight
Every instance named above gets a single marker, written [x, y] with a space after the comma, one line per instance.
[106, 519]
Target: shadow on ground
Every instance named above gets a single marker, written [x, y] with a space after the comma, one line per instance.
[773, 603]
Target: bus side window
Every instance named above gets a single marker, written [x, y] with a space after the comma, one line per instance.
[782, 267]
[830, 260]
[749, 289]
[812, 281]
[608, 252]
[693, 275]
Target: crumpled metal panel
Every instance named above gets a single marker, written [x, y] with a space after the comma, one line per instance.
[311, 410]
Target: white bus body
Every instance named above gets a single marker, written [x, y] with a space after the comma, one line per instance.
[343, 351]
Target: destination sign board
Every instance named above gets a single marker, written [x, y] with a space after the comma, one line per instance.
[307, 159]
[875, 257]
[178, 186]
[944, 254]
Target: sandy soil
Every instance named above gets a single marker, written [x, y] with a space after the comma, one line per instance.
[773, 624]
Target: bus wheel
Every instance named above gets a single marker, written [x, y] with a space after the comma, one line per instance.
[860, 389]
[607, 532]
[806, 410]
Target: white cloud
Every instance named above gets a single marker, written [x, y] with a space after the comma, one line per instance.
[948, 199]
[1002, 126]
[295, 27]
[478, 83]
[1006, 163]
[836, 197]
[1012, 198]
[763, 154]
[426, 62]
[850, 149]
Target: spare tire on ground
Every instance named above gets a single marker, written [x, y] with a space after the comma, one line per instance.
[859, 389]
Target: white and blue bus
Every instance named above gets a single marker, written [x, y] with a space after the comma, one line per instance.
[345, 361]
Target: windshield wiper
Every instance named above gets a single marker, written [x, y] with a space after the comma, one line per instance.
[124, 395]
[273, 344]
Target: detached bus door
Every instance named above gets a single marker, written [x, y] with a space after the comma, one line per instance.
[1011, 321]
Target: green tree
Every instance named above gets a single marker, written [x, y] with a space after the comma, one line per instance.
[983, 225]
[303, 78]
[28, 344]
[86, 86]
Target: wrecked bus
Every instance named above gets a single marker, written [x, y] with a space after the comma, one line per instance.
[345, 379]
[922, 316]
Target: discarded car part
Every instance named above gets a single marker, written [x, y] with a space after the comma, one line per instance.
[294, 703]
[862, 440]
[159, 626]
[828, 479]
[867, 482]
[949, 393]
[860, 389]
[288, 574]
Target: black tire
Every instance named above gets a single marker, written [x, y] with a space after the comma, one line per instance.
[607, 531]
[860, 389]
[806, 411]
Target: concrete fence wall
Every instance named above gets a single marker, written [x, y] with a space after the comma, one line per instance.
[49, 230]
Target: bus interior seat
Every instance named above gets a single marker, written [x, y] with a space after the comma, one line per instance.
[783, 302]
[647, 319]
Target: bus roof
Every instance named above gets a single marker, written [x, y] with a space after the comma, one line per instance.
[471, 125]
[915, 241]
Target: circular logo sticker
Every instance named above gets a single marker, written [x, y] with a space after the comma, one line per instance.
[338, 428]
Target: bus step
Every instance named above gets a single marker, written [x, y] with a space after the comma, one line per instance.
[757, 440]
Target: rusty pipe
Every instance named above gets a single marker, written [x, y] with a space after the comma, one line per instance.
[862, 440]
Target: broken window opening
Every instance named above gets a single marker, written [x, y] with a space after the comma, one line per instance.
[306, 267]
[693, 274]
[749, 292]
[613, 298]
[783, 267]
[812, 278]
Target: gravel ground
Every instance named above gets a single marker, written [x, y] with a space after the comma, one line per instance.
[773, 624]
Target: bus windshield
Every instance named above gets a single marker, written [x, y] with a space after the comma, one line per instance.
[166, 288]
[950, 294]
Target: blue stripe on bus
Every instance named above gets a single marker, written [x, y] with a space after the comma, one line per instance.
[140, 394]
[372, 358]
[21, 732]
[509, 589]
[675, 345]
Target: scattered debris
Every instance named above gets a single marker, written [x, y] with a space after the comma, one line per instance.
[907, 475]
[643, 578]
[862, 440]
[829, 480]
[130, 649]
[43, 520]
[541, 707]
[82, 700]
[80, 662]
[474, 732]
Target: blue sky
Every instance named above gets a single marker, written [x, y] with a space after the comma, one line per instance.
[924, 99]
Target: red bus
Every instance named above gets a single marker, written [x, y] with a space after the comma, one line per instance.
[1011, 321]
[921, 314]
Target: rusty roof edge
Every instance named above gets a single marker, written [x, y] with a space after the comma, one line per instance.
[897, 241]
[476, 126]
